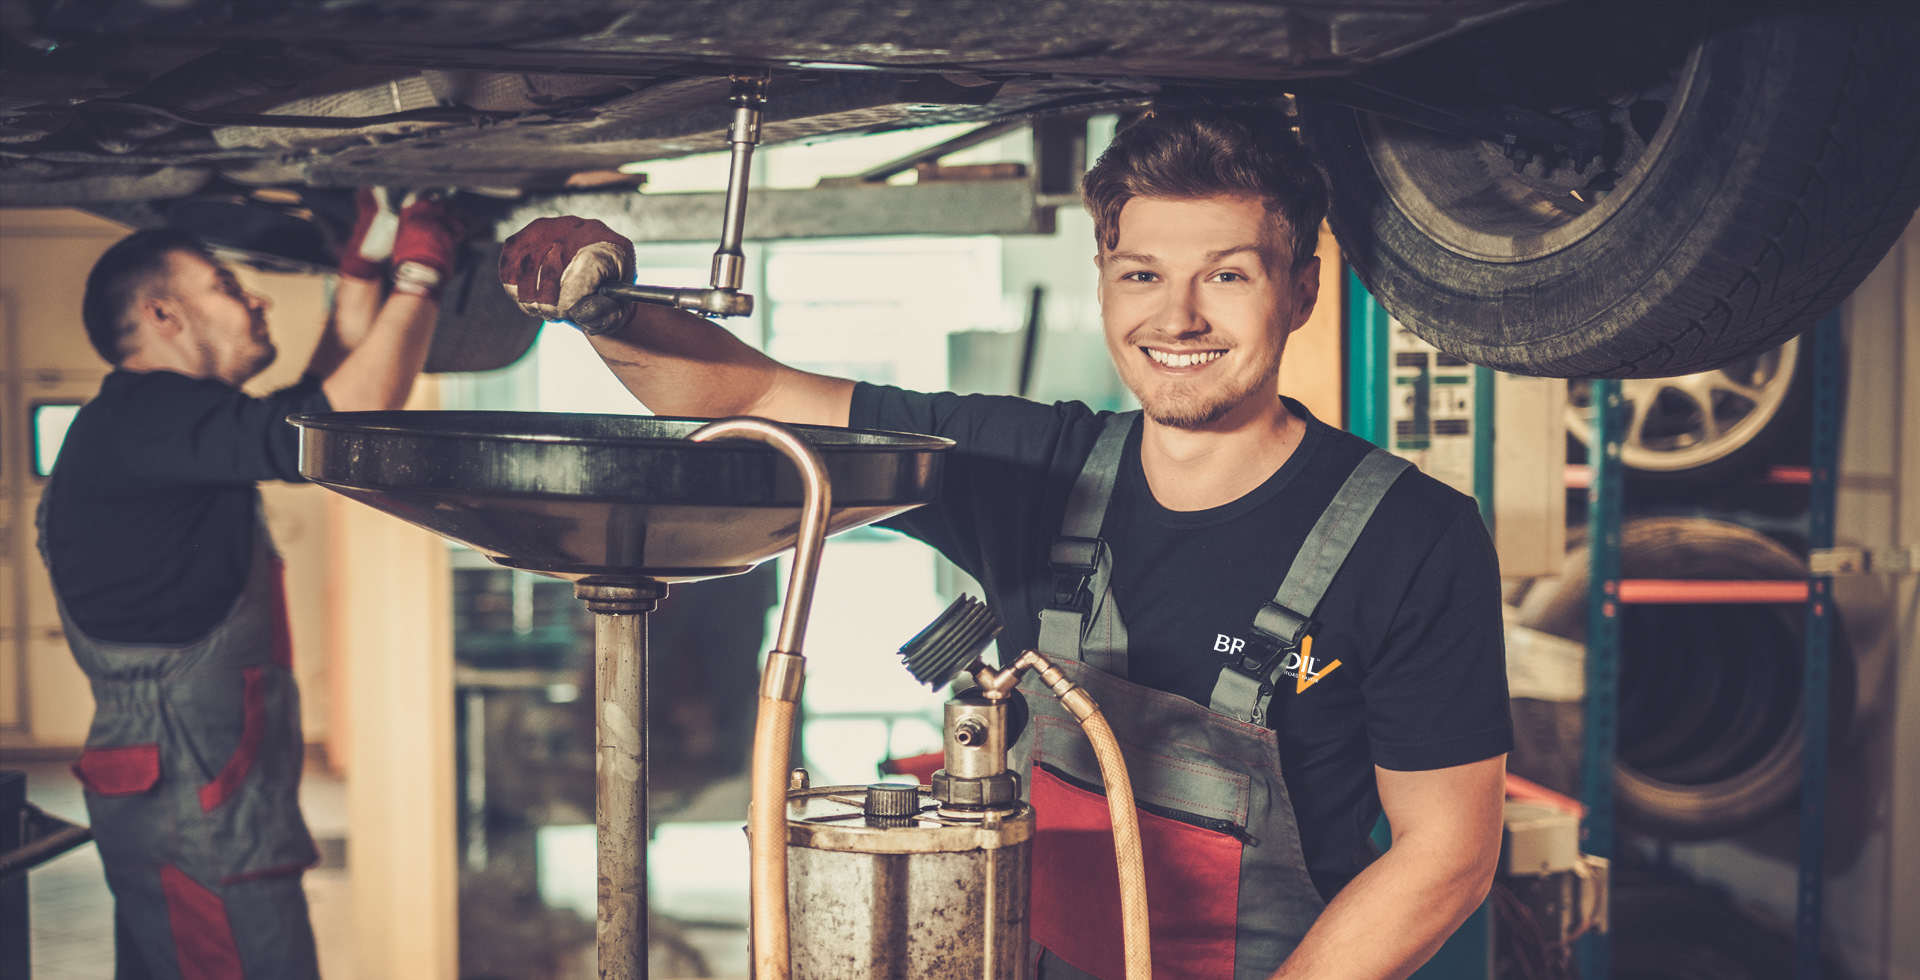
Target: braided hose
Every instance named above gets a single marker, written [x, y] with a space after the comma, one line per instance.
[1126, 842]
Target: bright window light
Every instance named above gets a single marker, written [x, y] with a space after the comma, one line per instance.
[50, 424]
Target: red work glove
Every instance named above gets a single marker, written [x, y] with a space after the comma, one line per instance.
[424, 246]
[552, 267]
[364, 256]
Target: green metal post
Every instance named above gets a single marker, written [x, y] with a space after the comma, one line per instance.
[1483, 442]
[1603, 645]
[1367, 359]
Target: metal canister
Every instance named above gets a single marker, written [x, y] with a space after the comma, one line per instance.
[883, 884]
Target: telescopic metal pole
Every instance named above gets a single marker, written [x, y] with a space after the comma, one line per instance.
[620, 610]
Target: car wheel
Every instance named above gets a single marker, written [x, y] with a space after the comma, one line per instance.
[1749, 180]
[1710, 427]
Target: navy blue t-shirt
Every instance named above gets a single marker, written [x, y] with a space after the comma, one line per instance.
[1413, 617]
[152, 503]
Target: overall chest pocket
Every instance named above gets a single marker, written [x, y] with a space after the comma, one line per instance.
[1193, 820]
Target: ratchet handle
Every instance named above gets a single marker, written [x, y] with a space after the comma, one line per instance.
[706, 301]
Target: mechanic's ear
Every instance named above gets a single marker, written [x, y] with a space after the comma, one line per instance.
[1306, 291]
[159, 314]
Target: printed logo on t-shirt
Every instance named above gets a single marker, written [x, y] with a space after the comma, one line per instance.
[1299, 664]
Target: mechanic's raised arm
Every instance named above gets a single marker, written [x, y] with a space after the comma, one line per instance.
[674, 362]
[373, 349]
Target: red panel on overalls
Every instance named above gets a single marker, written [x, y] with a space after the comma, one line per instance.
[202, 936]
[1193, 887]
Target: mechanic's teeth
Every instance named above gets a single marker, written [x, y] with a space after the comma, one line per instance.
[1183, 360]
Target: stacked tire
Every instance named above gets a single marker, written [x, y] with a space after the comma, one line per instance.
[1710, 705]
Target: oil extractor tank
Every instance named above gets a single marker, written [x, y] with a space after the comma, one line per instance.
[885, 882]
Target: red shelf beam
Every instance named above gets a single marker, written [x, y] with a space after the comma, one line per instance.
[1579, 477]
[1662, 591]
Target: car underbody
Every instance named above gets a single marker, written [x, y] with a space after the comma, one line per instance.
[1546, 188]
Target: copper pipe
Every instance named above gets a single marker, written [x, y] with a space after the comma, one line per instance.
[780, 686]
[813, 513]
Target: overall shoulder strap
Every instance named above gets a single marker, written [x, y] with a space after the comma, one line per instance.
[1246, 684]
[1081, 566]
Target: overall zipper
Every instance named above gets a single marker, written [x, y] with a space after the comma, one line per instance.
[1216, 824]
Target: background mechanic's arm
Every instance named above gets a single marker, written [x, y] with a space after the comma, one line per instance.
[1396, 913]
[373, 349]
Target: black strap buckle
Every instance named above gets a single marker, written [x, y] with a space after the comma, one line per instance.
[1262, 657]
[1073, 561]
[1282, 626]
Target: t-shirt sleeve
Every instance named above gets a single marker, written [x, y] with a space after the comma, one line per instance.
[181, 431]
[1436, 695]
[1011, 457]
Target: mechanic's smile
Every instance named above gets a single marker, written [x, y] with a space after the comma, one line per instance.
[1183, 359]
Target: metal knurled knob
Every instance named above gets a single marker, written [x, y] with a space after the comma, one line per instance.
[893, 800]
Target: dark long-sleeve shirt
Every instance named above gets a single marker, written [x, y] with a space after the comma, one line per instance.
[152, 502]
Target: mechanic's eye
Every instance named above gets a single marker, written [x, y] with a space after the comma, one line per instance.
[1141, 276]
[1225, 276]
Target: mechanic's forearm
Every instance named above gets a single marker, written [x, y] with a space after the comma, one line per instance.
[355, 303]
[677, 363]
[379, 372]
[1395, 914]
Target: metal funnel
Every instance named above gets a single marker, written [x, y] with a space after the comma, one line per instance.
[607, 496]
[623, 505]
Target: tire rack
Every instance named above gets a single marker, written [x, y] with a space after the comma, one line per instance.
[1607, 593]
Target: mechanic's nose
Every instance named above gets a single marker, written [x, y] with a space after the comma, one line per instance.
[1180, 315]
[255, 301]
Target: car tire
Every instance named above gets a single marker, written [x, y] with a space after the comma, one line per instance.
[1784, 163]
[1709, 709]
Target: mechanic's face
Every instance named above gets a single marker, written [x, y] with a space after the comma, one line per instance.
[225, 325]
[1198, 296]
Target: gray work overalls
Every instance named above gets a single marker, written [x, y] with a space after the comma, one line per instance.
[1228, 892]
[192, 777]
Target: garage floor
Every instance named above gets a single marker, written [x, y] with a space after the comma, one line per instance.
[72, 911]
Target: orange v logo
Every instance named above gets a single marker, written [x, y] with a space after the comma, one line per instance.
[1305, 677]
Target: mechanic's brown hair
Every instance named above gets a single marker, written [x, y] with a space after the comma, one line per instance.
[116, 280]
[1203, 152]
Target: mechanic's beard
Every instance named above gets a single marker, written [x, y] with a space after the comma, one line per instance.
[1193, 410]
[255, 360]
[262, 357]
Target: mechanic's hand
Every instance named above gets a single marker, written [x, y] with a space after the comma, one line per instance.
[370, 244]
[423, 247]
[552, 267]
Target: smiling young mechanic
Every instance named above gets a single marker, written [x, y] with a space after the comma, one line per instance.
[170, 589]
[1311, 631]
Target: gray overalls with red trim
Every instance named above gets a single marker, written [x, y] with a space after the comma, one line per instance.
[192, 776]
[1228, 892]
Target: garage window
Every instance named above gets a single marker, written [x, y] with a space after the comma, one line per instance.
[48, 424]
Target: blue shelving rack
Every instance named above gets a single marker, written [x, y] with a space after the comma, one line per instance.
[1367, 415]
[1604, 602]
